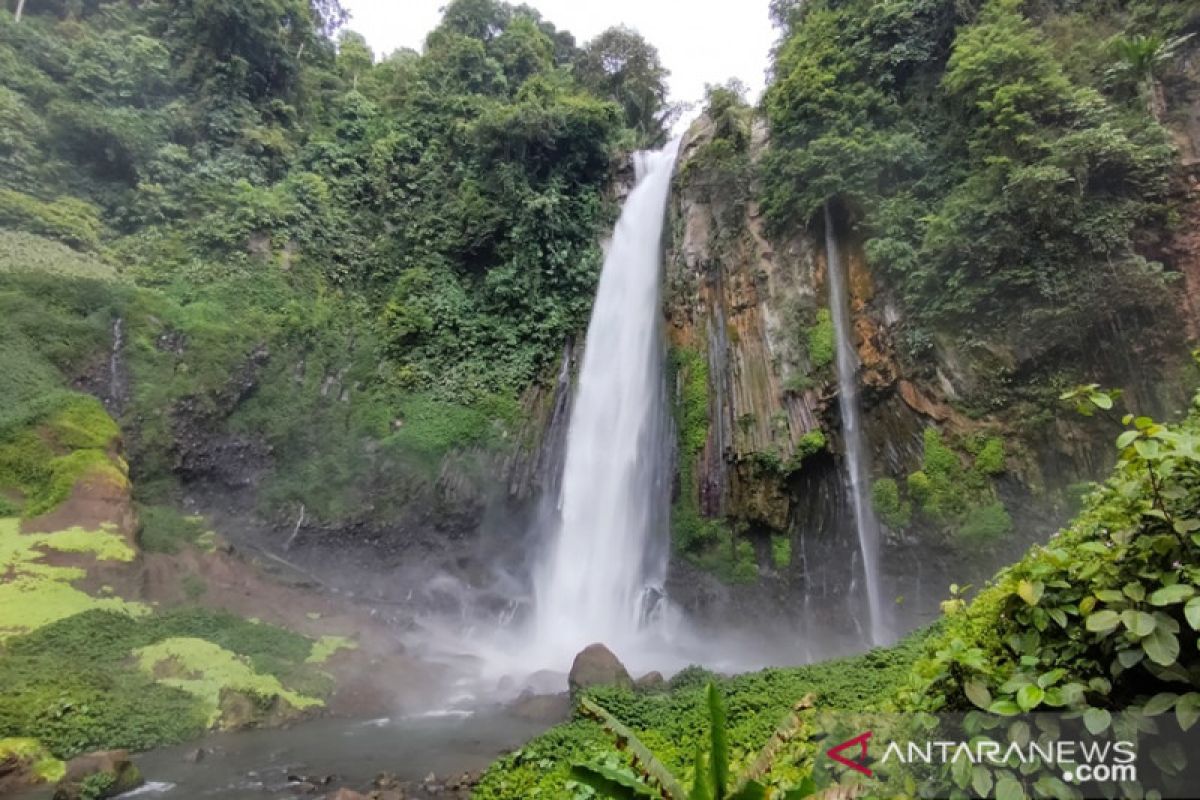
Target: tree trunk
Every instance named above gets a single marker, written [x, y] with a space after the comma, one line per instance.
[20, 8]
[1156, 99]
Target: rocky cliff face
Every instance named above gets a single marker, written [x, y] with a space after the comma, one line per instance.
[760, 514]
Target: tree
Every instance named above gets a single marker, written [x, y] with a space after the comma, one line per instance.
[354, 57]
[1142, 59]
[622, 66]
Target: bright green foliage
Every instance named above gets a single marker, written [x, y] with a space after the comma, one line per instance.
[954, 497]
[692, 532]
[1102, 618]
[35, 593]
[324, 648]
[669, 724]
[389, 253]
[103, 701]
[67, 219]
[711, 777]
[891, 510]
[205, 670]
[999, 189]
[45, 767]
[781, 551]
[819, 340]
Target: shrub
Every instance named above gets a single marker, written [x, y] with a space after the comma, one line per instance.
[67, 219]
[892, 511]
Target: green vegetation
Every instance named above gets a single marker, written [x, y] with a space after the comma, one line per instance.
[1003, 176]
[147, 681]
[1101, 619]
[44, 766]
[390, 252]
[668, 724]
[165, 530]
[953, 492]
[709, 542]
[35, 593]
[781, 551]
[891, 510]
[205, 670]
[819, 340]
[711, 776]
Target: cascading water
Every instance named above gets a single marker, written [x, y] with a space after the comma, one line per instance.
[602, 562]
[856, 460]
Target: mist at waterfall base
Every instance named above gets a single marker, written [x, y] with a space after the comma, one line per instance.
[600, 545]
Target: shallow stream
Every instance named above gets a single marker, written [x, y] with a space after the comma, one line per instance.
[252, 765]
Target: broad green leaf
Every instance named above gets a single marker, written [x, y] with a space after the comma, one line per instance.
[1187, 710]
[1138, 622]
[806, 788]
[1029, 697]
[1110, 595]
[1004, 707]
[1008, 788]
[1103, 621]
[752, 790]
[1134, 591]
[1167, 595]
[1161, 647]
[981, 780]
[1127, 438]
[1192, 612]
[1050, 678]
[1159, 703]
[610, 783]
[1031, 591]
[977, 692]
[718, 756]
[1096, 720]
[1101, 400]
[1127, 658]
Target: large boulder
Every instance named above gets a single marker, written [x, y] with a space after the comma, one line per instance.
[597, 666]
[105, 773]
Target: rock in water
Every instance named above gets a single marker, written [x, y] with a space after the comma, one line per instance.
[597, 666]
[115, 764]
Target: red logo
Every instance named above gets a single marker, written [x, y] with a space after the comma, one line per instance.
[860, 741]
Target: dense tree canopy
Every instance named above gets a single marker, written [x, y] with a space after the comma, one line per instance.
[1002, 184]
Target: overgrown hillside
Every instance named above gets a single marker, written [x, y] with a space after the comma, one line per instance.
[246, 265]
[275, 258]
[1012, 188]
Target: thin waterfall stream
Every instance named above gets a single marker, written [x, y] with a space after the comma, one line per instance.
[856, 457]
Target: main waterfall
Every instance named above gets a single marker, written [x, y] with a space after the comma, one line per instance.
[602, 561]
[857, 471]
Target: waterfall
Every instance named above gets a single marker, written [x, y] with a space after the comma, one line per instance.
[115, 385]
[602, 560]
[856, 460]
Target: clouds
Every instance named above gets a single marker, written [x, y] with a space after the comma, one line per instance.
[700, 41]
